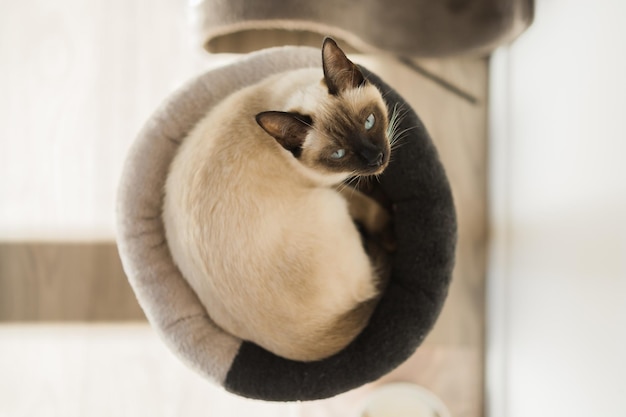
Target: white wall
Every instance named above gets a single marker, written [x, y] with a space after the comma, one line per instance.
[77, 81]
[557, 295]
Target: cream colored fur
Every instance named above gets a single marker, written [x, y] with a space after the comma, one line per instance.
[267, 243]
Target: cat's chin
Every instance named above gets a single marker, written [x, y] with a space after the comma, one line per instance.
[372, 171]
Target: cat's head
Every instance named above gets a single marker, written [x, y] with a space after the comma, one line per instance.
[347, 134]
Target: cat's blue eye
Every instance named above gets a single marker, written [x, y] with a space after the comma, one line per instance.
[369, 122]
[338, 154]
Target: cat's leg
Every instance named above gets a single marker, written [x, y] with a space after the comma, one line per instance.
[365, 210]
[378, 237]
[374, 218]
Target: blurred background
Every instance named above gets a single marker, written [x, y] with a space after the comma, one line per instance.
[531, 136]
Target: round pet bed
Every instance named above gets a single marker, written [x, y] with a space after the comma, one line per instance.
[425, 228]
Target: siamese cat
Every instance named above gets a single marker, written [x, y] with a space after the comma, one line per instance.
[257, 216]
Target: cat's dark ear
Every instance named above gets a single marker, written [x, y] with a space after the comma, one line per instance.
[289, 129]
[340, 73]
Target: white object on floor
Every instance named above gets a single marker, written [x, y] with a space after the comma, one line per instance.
[404, 400]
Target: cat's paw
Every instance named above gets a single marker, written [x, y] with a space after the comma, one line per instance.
[378, 218]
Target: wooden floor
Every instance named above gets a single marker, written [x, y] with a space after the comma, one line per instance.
[46, 278]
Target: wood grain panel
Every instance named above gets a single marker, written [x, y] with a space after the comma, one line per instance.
[64, 281]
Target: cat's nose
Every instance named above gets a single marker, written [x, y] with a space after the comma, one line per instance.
[372, 156]
[376, 160]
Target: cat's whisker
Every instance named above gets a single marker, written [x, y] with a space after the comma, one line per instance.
[353, 177]
[392, 131]
[397, 145]
[358, 184]
[401, 111]
[356, 178]
[395, 117]
[374, 177]
[403, 132]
